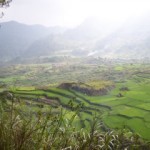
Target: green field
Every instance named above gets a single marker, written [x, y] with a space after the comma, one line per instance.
[126, 105]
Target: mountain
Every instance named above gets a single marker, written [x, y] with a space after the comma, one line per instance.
[91, 29]
[15, 38]
[93, 37]
[78, 41]
[53, 45]
[132, 40]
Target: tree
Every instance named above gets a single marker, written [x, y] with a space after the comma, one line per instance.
[4, 3]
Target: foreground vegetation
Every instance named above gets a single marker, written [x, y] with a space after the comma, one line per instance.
[21, 130]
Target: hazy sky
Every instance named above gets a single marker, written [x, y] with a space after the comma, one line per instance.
[72, 12]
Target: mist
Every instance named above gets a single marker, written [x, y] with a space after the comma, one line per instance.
[70, 13]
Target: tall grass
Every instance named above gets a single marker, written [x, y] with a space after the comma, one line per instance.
[25, 130]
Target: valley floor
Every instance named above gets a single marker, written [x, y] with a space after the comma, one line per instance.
[126, 105]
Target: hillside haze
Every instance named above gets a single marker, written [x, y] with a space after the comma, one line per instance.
[129, 41]
[93, 37]
[16, 38]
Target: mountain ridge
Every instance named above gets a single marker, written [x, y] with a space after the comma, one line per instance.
[91, 38]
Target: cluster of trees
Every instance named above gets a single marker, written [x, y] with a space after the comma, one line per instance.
[4, 3]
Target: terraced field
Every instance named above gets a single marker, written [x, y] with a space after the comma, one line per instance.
[125, 105]
[130, 110]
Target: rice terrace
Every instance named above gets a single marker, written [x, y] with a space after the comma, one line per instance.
[75, 75]
[118, 94]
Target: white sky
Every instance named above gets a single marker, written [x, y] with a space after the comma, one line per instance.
[72, 12]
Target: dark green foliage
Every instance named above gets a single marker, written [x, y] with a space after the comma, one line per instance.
[4, 3]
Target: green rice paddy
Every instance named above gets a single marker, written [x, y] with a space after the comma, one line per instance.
[117, 109]
[131, 111]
